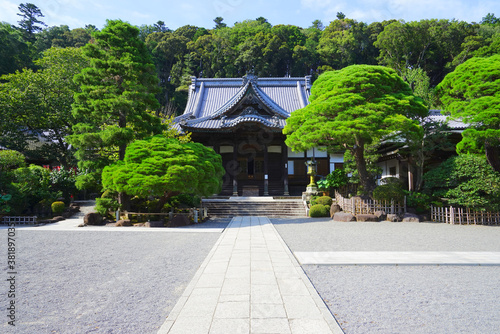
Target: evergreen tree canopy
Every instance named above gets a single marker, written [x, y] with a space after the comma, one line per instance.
[472, 93]
[351, 108]
[116, 91]
[164, 167]
[465, 180]
[37, 105]
[30, 23]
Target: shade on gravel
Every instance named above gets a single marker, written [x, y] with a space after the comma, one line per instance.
[99, 282]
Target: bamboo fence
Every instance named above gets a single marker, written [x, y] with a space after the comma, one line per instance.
[18, 220]
[464, 216]
[356, 205]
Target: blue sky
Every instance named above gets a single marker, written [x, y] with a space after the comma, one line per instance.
[78, 13]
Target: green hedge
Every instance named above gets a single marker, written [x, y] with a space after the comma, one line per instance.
[325, 200]
[57, 207]
[319, 210]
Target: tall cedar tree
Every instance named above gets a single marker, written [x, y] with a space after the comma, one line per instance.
[472, 93]
[30, 23]
[116, 91]
[352, 108]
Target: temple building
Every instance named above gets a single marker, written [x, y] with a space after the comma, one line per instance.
[242, 119]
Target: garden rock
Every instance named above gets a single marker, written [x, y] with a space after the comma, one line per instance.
[334, 209]
[58, 218]
[343, 217]
[123, 222]
[393, 218]
[179, 220]
[366, 218]
[381, 215]
[92, 218]
[411, 218]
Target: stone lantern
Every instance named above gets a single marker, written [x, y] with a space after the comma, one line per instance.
[312, 187]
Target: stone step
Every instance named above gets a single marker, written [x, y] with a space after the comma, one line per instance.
[255, 207]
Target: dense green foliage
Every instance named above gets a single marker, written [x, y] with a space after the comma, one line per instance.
[325, 200]
[110, 110]
[466, 180]
[433, 46]
[36, 105]
[14, 53]
[472, 93]
[10, 159]
[352, 108]
[164, 167]
[319, 210]
[335, 179]
[116, 91]
[391, 190]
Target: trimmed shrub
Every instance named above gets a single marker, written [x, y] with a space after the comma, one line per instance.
[319, 210]
[465, 180]
[313, 200]
[325, 200]
[390, 191]
[419, 201]
[105, 205]
[57, 207]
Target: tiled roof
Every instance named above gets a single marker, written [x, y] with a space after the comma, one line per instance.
[437, 116]
[211, 102]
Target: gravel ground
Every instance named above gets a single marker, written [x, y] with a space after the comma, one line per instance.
[402, 299]
[321, 234]
[99, 282]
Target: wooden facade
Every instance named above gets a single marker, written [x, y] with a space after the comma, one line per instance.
[242, 120]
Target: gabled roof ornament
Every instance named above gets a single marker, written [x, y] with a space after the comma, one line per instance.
[250, 77]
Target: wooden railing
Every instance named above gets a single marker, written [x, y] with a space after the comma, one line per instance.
[356, 205]
[461, 216]
[18, 220]
[197, 214]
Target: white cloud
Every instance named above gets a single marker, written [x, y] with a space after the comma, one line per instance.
[8, 12]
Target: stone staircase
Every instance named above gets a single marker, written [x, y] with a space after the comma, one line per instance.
[255, 206]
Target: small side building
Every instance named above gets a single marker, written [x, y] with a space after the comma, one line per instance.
[242, 119]
[396, 163]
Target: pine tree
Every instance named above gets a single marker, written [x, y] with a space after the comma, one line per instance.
[117, 90]
[30, 23]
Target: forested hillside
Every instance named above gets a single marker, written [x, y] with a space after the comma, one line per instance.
[421, 52]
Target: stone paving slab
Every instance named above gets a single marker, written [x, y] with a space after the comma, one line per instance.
[250, 283]
[399, 258]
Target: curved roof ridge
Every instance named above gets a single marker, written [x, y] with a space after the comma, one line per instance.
[269, 102]
[226, 106]
[246, 118]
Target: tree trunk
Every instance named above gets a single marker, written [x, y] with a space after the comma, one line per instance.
[493, 155]
[367, 183]
[122, 123]
[123, 200]
[163, 200]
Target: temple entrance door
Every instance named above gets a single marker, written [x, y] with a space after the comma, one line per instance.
[251, 166]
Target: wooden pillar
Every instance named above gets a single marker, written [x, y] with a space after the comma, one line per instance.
[266, 171]
[235, 176]
[410, 176]
[284, 154]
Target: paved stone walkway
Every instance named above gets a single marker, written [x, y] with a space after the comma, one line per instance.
[399, 258]
[250, 283]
